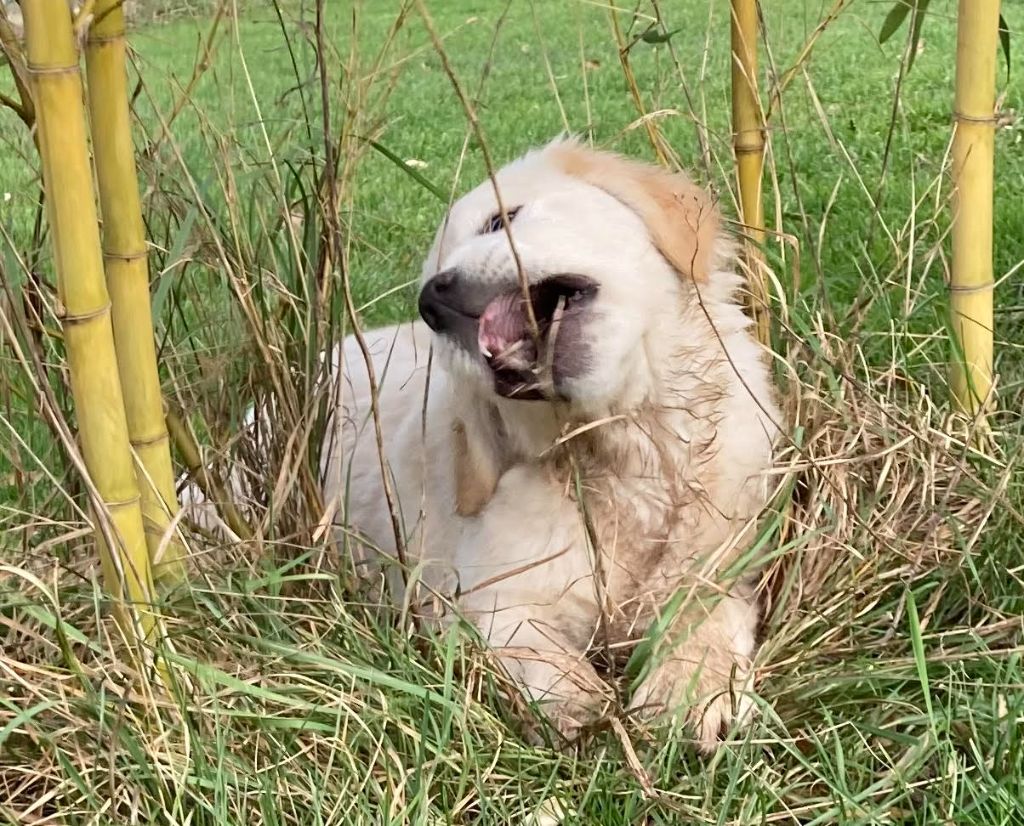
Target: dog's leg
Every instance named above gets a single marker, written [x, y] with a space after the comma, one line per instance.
[479, 463]
[701, 667]
[548, 667]
[526, 583]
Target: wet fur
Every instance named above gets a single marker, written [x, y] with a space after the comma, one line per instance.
[669, 465]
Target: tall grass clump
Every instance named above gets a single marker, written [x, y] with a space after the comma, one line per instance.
[293, 163]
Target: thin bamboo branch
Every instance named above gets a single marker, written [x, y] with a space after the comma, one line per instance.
[653, 134]
[802, 58]
[972, 282]
[10, 46]
[125, 256]
[748, 146]
[209, 482]
[84, 305]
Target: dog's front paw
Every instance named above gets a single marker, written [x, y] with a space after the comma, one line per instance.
[569, 718]
[569, 695]
[578, 700]
[710, 697]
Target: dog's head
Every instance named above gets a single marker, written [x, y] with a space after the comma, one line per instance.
[604, 248]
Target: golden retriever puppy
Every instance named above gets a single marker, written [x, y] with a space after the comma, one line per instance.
[572, 466]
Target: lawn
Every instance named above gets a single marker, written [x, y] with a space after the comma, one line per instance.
[891, 676]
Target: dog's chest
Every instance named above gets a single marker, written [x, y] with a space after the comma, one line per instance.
[651, 517]
[632, 527]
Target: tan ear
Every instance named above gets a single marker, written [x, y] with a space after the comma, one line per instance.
[478, 466]
[681, 217]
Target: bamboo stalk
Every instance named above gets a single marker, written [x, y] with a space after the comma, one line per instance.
[748, 146]
[972, 284]
[84, 307]
[127, 270]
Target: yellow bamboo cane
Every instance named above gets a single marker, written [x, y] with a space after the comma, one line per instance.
[748, 145]
[84, 308]
[973, 149]
[127, 270]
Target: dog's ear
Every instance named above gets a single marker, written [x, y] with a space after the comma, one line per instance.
[681, 217]
[477, 454]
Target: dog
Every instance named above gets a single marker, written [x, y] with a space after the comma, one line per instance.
[576, 437]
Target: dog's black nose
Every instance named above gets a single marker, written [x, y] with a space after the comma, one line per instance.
[439, 304]
[443, 281]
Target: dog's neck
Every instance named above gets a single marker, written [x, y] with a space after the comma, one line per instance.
[653, 437]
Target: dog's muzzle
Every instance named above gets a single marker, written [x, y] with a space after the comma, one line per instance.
[492, 321]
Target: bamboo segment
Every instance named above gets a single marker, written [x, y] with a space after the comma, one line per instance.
[972, 283]
[127, 270]
[85, 306]
[748, 145]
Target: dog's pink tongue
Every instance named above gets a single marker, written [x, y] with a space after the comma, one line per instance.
[502, 324]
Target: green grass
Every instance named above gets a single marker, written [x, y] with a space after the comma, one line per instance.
[892, 671]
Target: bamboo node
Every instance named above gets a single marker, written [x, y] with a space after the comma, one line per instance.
[146, 441]
[960, 117]
[963, 289]
[122, 503]
[80, 318]
[35, 69]
[125, 256]
[99, 39]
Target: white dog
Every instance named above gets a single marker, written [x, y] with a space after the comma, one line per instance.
[571, 468]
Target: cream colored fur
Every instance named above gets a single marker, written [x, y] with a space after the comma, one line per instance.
[666, 439]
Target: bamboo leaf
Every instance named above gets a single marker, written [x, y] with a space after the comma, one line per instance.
[174, 258]
[921, 7]
[654, 36]
[1004, 42]
[894, 19]
[434, 190]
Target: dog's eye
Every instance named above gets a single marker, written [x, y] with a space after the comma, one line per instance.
[493, 224]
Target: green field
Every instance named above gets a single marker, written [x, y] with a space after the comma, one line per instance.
[892, 679]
